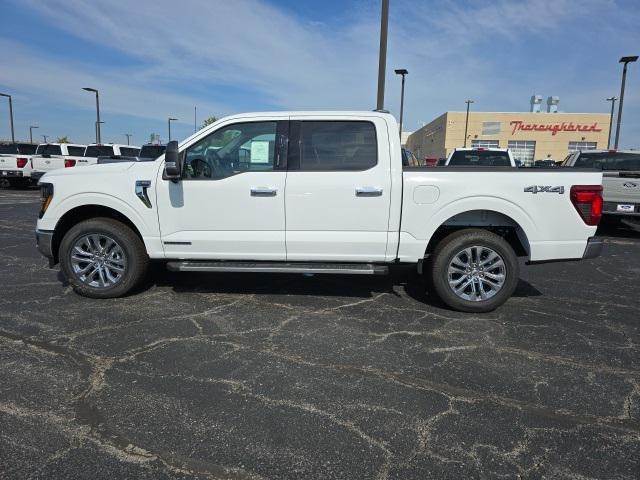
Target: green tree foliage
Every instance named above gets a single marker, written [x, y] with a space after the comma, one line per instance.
[209, 121]
[64, 139]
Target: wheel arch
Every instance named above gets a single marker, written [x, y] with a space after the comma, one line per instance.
[85, 212]
[487, 219]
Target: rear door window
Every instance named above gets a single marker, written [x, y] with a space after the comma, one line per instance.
[335, 146]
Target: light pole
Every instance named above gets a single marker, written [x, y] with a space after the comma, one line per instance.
[403, 72]
[128, 135]
[98, 122]
[169, 124]
[466, 122]
[31, 127]
[625, 61]
[44, 137]
[13, 136]
[195, 119]
[382, 61]
[613, 106]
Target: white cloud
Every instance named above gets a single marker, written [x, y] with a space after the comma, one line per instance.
[485, 50]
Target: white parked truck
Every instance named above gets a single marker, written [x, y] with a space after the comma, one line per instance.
[62, 155]
[15, 163]
[313, 192]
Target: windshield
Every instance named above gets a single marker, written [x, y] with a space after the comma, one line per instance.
[98, 151]
[609, 161]
[48, 149]
[8, 148]
[152, 151]
[480, 158]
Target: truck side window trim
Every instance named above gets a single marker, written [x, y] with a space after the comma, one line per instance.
[276, 154]
[296, 147]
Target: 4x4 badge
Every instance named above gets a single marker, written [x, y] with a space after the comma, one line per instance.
[544, 189]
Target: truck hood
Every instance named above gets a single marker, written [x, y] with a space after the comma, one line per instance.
[104, 169]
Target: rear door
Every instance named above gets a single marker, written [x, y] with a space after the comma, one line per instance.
[338, 189]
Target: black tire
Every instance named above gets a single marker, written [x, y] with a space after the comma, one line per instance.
[455, 243]
[137, 260]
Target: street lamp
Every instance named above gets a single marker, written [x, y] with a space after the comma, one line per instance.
[466, 123]
[31, 127]
[613, 106]
[13, 137]
[382, 61]
[128, 135]
[169, 123]
[403, 72]
[625, 61]
[98, 122]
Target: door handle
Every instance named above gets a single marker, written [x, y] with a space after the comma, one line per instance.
[263, 192]
[368, 192]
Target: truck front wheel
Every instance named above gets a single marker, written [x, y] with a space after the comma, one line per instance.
[102, 258]
[474, 270]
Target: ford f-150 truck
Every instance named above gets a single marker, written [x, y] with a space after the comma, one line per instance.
[313, 192]
[50, 156]
[15, 163]
[61, 155]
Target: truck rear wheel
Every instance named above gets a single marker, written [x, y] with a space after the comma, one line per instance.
[102, 258]
[474, 270]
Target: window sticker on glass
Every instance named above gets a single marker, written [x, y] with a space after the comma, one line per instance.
[259, 151]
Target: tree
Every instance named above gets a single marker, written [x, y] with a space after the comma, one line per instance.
[64, 139]
[209, 121]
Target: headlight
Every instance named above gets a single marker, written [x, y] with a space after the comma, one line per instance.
[46, 192]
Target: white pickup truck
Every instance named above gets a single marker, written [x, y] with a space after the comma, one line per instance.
[64, 155]
[50, 156]
[313, 192]
[15, 163]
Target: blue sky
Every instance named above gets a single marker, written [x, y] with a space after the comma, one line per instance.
[151, 60]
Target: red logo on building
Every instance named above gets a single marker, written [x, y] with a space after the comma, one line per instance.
[554, 128]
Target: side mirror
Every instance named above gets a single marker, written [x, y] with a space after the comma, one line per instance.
[172, 162]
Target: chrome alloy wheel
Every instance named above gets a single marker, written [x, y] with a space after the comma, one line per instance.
[476, 273]
[98, 261]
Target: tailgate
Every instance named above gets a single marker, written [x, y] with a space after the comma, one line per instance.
[46, 164]
[621, 188]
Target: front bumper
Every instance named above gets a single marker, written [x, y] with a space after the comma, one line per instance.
[44, 242]
[594, 248]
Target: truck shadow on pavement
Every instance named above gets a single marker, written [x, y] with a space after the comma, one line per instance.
[400, 282]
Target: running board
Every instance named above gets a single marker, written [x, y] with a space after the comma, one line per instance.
[275, 267]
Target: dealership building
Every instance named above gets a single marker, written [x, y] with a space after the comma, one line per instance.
[530, 136]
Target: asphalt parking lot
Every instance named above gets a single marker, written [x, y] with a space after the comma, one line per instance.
[243, 377]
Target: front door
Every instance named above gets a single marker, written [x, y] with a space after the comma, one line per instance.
[230, 201]
[338, 190]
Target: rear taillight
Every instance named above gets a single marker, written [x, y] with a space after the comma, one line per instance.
[69, 163]
[21, 162]
[587, 199]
